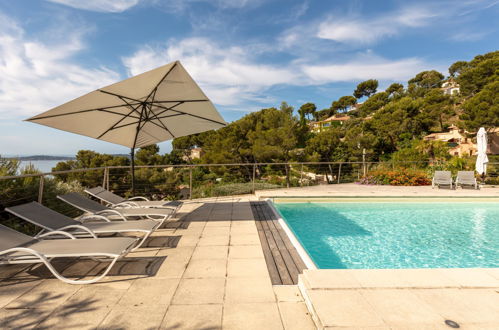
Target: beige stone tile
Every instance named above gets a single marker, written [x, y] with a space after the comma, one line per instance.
[245, 251]
[401, 307]
[380, 278]
[344, 308]
[242, 230]
[244, 239]
[193, 317]
[248, 290]
[427, 278]
[494, 272]
[477, 306]
[172, 268]
[75, 317]
[247, 268]
[215, 231]
[22, 318]
[249, 223]
[132, 317]
[200, 291]
[287, 293]
[251, 316]
[218, 222]
[179, 253]
[11, 290]
[210, 252]
[48, 295]
[188, 240]
[471, 277]
[214, 240]
[331, 278]
[150, 291]
[206, 268]
[295, 316]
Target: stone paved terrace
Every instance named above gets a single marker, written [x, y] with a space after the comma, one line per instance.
[208, 272]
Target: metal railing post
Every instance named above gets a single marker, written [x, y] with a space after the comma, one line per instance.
[253, 180]
[190, 182]
[339, 173]
[301, 175]
[104, 178]
[40, 189]
[107, 178]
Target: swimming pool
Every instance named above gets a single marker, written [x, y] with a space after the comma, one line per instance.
[397, 234]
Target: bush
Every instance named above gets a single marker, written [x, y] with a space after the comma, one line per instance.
[397, 177]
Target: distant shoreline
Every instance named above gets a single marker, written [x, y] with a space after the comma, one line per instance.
[41, 157]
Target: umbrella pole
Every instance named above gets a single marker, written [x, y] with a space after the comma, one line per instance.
[132, 158]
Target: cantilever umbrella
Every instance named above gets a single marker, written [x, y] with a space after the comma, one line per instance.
[151, 107]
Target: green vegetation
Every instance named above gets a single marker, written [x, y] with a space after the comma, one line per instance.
[388, 125]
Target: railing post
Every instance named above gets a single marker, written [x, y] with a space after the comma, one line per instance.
[364, 161]
[107, 178]
[104, 178]
[253, 180]
[301, 176]
[40, 189]
[190, 182]
[339, 173]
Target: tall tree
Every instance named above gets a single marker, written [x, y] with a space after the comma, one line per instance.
[343, 103]
[366, 88]
[306, 111]
[456, 68]
[483, 108]
[395, 89]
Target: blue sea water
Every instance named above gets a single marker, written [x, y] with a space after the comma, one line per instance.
[378, 235]
[44, 166]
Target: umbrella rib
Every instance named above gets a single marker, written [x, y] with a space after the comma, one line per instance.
[190, 114]
[159, 83]
[167, 108]
[119, 121]
[82, 111]
[162, 124]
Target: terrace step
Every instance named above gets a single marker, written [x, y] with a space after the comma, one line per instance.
[330, 294]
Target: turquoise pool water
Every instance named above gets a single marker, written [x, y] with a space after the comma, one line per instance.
[396, 235]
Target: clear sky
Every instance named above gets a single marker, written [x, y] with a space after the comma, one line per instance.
[245, 54]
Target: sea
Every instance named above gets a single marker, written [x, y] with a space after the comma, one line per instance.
[44, 166]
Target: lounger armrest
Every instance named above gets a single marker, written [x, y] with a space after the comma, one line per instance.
[141, 198]
[112, 212]
[126, 204]
[85, 229]
[84, 218]
[56, 232]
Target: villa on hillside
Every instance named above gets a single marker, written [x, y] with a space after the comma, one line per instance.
[195, 153]
[333, 121]
[450, 87]
[459, 144]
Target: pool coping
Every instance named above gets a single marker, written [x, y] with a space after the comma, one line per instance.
[294, 240]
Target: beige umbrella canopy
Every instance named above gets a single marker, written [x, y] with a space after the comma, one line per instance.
[151, 107]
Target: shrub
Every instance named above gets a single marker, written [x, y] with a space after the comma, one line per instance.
[241, 188]
[397, 177]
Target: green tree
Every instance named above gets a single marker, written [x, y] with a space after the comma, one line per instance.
[479, 72]
[395, 89]
[306, 111]
[483, 108]
[366, 88]
[456, 68]
[373, 104]
[438, 106]
[343, 103]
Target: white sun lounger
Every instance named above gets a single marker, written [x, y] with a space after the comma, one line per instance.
[466, 178]
[85, 204]
[442, 178]
[17, 248]
[51, 220]
[114, 200]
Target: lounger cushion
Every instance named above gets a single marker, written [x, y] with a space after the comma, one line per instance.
[113, 246]
[115, 226]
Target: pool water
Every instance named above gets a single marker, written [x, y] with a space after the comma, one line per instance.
[375, 235]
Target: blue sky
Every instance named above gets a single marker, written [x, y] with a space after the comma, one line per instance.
[245, 54]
